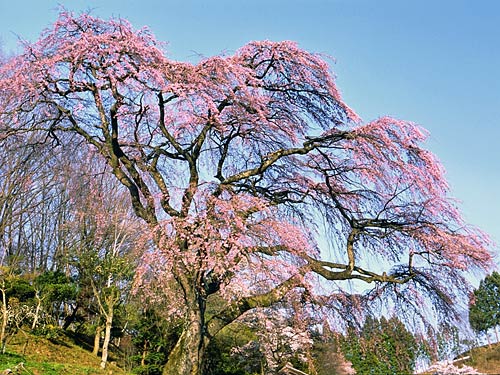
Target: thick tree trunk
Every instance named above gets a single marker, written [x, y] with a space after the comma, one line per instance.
[187, 357]
[107, 336]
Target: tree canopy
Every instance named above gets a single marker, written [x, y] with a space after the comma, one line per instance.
[245, 170]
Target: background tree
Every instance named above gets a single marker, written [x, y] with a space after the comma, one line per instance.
[22, 178]
[54, 290]
[154, 338]
[105, 237]
[237, 165]
[235, 351]
[444, 342]
[329, 358]
[484, 306]
[282, 336]
[383, 346]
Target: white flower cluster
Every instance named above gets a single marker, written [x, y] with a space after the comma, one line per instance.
[449, 368]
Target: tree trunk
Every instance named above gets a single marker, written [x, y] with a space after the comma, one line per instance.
[97, 340]
[26, 341]
[5, 318]
[187, 357]
[144, 353]
[70, 318]
[107, 336]
[37, 310]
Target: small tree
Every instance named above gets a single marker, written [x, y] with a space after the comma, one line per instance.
[17, 307]
[6, 277]
[105, 237]
[484, 306]
[54, 290]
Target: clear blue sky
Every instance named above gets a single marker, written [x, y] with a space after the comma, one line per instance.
[435, 62]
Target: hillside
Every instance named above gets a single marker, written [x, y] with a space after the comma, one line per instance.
[51, 357]
[485, 359]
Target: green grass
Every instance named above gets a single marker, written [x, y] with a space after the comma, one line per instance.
[26, 366]
[49, 357]
[22, 366]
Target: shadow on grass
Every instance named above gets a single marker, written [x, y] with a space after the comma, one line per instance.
[11, 357]
[11, 361]
[83, 341]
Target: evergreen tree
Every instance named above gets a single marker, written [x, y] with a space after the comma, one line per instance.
[484, 307]
[381, 347]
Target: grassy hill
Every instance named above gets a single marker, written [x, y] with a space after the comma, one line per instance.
[485, 359]
[51, 357]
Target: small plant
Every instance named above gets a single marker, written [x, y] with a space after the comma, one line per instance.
[48, 331]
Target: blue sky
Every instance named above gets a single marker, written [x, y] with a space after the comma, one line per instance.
[435, 62]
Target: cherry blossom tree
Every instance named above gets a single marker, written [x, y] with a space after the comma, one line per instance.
[238, 165]
[281, 338]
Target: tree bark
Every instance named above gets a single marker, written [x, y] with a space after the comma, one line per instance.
[187, 357]
[70, 318]
[4, 319]
[144, 353]
[97, 340]
[107, 335]
[37, 310]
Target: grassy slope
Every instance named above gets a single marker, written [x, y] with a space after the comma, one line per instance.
[485, 359]
[43, 356]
